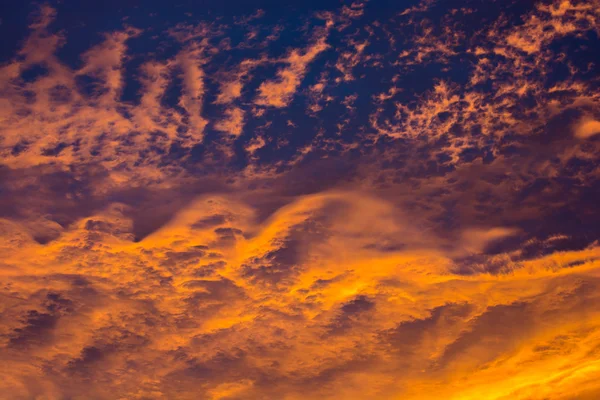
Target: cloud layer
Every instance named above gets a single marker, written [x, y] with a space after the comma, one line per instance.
[352, 201]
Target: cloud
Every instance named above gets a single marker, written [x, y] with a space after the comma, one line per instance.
[189, 61]
[144, 302]
[233, 123]
[587, 128]
[370, 203]
[279, 92]
[104, 62]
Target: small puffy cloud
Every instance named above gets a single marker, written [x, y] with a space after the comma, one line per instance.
[279, 92]
[587, 128]
[233, 123]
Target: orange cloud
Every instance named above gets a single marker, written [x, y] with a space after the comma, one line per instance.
[234, 122]
[398, 235]
[279, 92]
[215, 295]
[105, 63]
[587, 128]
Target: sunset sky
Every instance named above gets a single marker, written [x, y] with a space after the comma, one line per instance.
[300, 200]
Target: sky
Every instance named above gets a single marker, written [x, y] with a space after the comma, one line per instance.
[233, 200]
